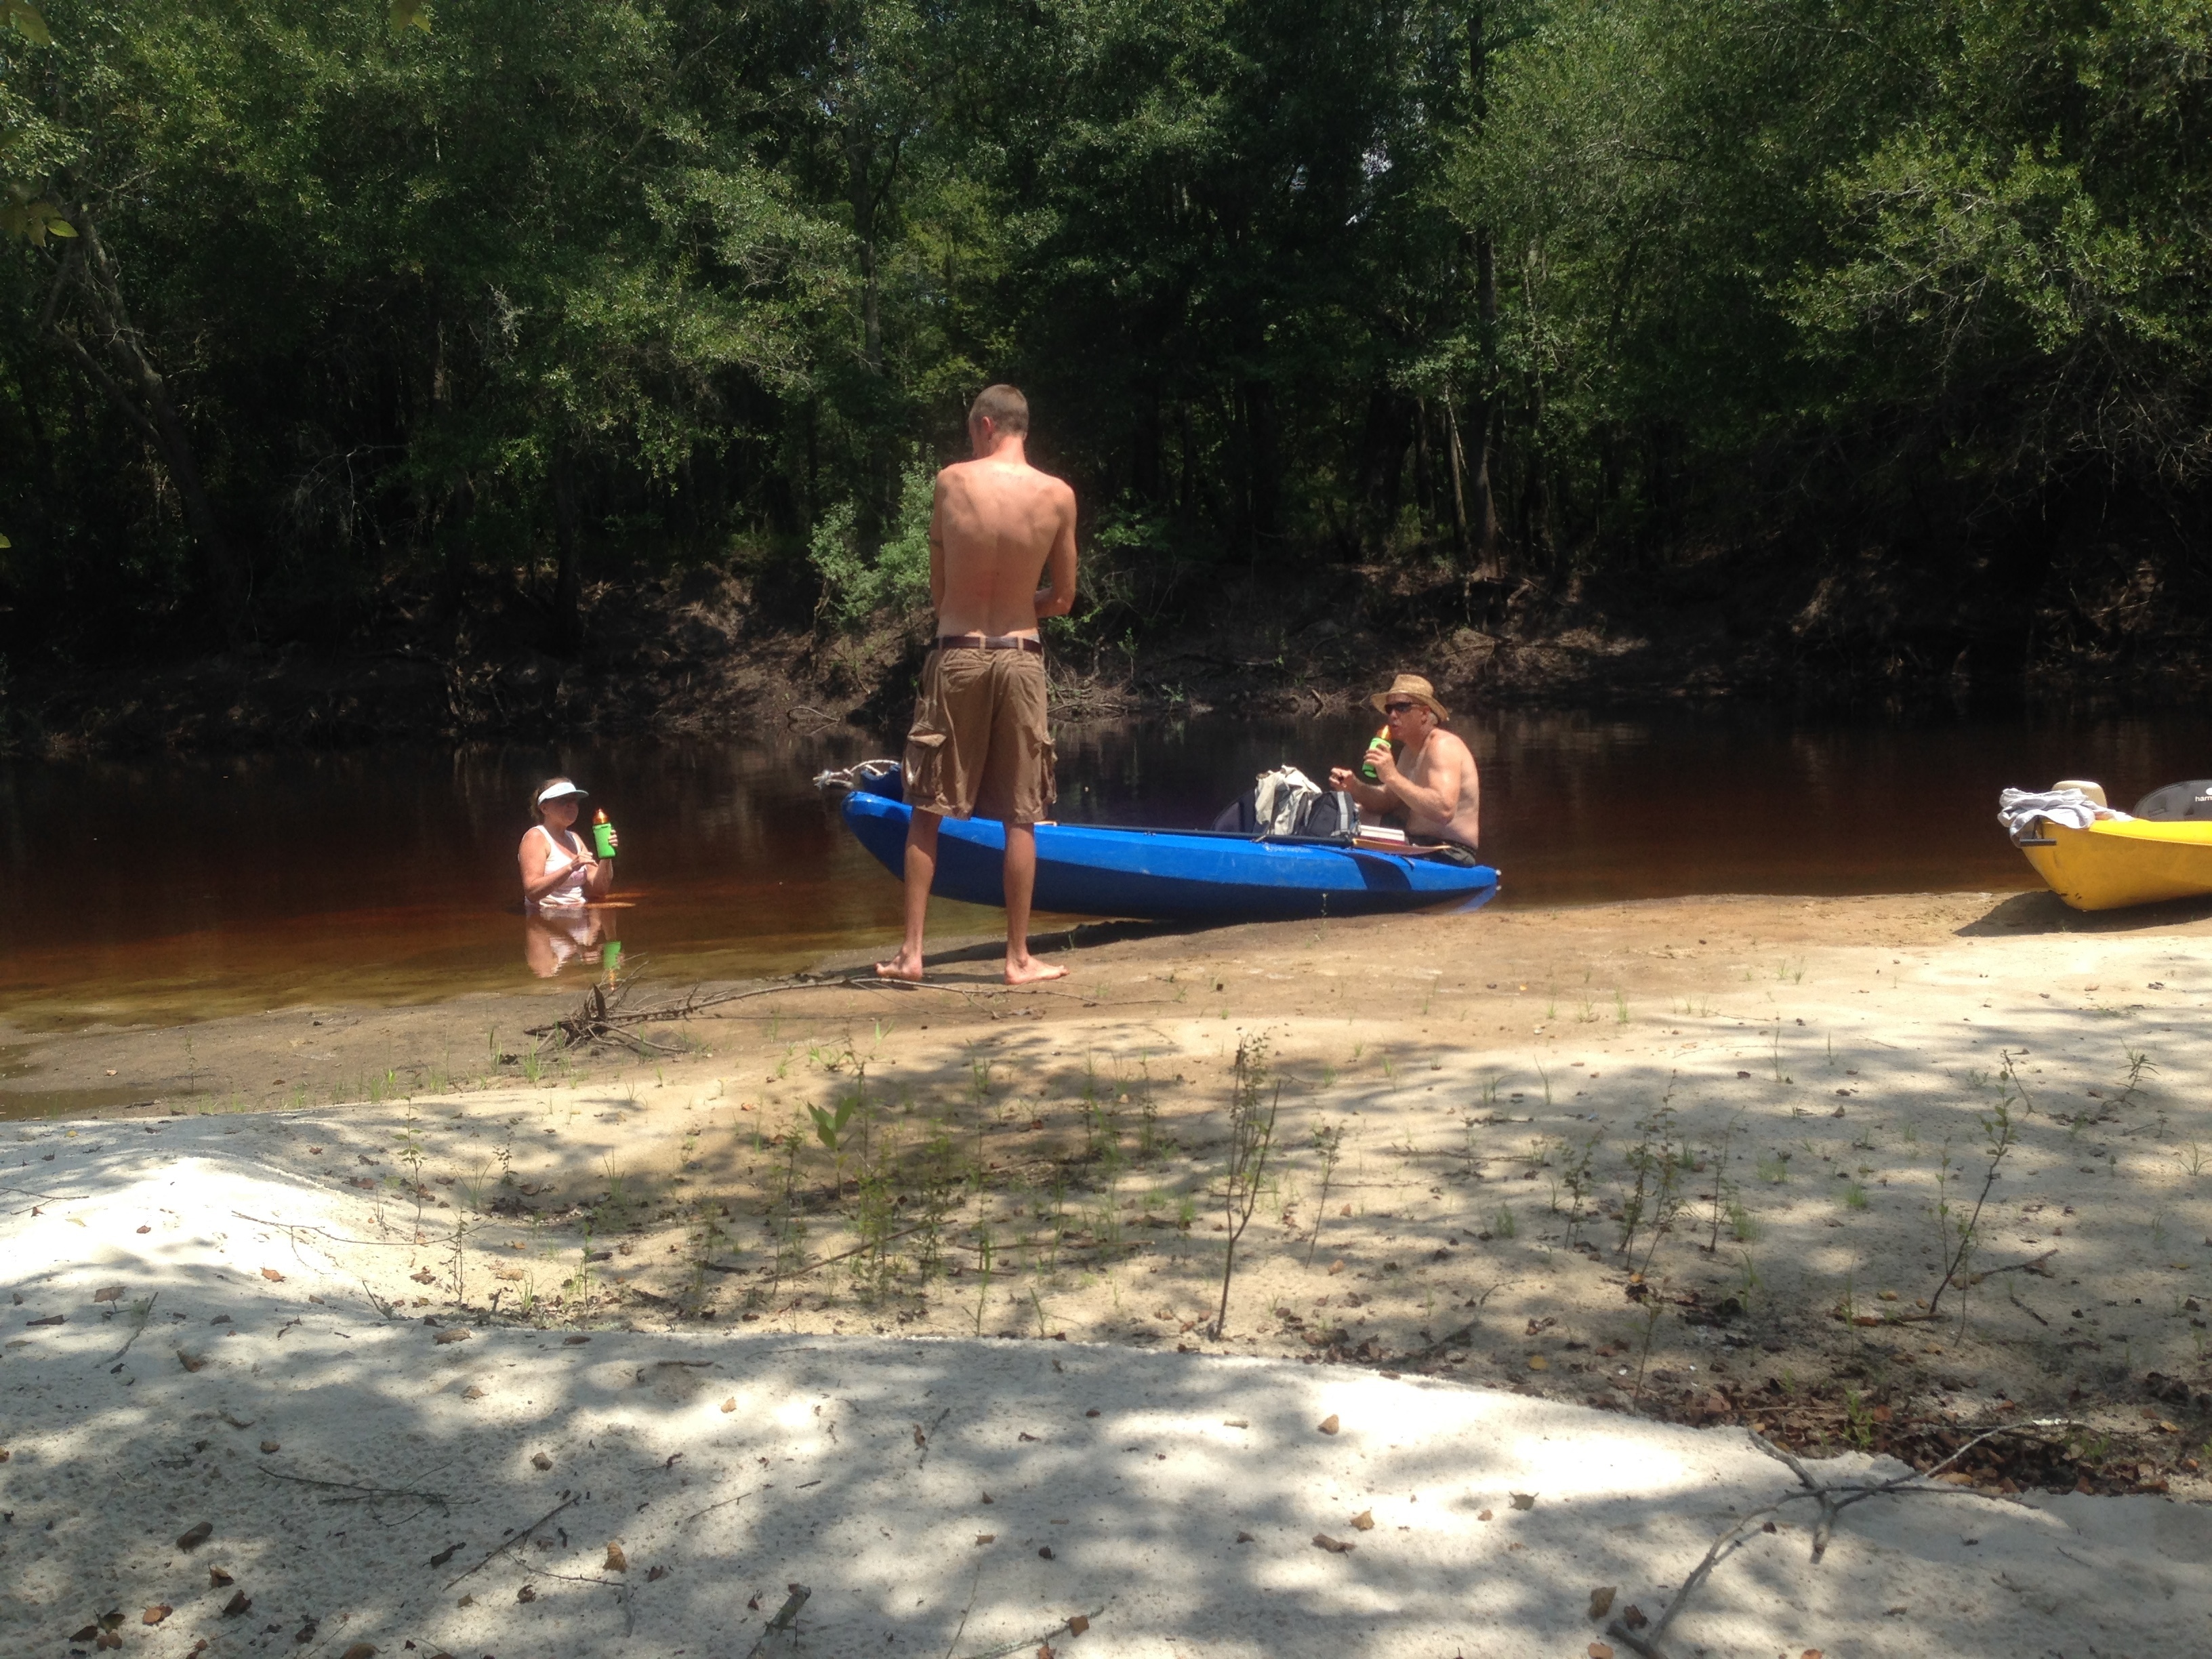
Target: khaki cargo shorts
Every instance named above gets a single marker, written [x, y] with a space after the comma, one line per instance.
[979, 744]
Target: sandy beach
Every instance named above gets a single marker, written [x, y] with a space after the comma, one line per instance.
[1867, 1178]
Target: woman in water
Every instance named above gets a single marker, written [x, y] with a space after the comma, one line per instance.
[560, 872]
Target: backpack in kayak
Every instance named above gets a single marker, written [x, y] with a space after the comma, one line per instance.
[1321, 814]
[2178, 801]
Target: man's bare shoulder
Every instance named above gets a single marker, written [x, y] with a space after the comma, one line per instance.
[1453, 745]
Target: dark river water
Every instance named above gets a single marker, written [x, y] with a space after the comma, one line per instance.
[180, 888]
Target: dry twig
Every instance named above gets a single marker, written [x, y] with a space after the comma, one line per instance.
[1833, 1500]
[510, 1541]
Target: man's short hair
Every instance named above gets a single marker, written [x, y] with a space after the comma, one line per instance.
[1004, 406]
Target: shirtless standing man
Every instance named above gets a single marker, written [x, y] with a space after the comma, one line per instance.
[1431, 782]
[1001, 555]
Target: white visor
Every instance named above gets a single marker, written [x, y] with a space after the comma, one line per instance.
[560, 792]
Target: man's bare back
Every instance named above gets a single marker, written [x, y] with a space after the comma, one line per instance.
[1001, 546]
[1001, 555]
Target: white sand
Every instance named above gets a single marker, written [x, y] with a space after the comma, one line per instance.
[816, 1476]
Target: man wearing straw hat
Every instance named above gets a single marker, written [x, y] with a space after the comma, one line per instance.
[1429, 785]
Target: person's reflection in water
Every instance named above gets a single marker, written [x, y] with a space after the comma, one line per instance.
[560, 877]
[551, 939]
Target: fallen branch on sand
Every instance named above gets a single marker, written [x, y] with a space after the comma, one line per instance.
[1070, 1626]
[604, 1016]
[785, 1615]
[512, 1539]
[1833, 1500]
[139, 1315]
[355, 1492]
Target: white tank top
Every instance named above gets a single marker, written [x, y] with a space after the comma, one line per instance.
[568, 893]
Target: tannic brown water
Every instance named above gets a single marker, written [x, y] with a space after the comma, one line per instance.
[186, 888]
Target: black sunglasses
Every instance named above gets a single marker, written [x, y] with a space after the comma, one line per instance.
[1399, 708]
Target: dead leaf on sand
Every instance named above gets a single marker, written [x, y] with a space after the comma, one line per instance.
[189, 1361]
[1246, 1538]
[573, 1342]
[1633, 1617]
[1600, 1650]
[527, 1593]
[1601, 1600]
[1538, 1363]
[656, 1574]
[272, 1275]
[423, 1276]
[271, 1446]
[1335, 1267]
[443, 1337]
[513, 1275]
[1523, 1500]
[1487, 1515]
[540, 1461]
[1363, 1521]
[156, 1613]
[192, 1537]
[616, 1561]
[51, 1319]
[983, 1538]
[219, 1577]
[239, 1602]
[472, 1392]
[444, 1555]
[1810, 1653]
[1333, 1546]
[1328, 1424]
[730, 1405]
[108, 1293]
[1077, 1624]
[359, 1650]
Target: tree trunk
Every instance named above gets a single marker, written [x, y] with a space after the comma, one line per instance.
[1458, 477]
[569, 581]
[866, 196]
[138, 393]
[1482, 511]
[1482, 508]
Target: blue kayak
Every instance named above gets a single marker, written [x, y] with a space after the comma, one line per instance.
[1085, 870]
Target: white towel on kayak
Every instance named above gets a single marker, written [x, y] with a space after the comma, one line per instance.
[1279, 798]
[2019, 809]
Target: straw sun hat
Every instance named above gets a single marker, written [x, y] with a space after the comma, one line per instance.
[1413, 686]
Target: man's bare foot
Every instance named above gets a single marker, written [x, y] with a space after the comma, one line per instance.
[1029, 970]
[906, 965]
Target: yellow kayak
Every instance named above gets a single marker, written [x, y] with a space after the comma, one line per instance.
[2113, 864]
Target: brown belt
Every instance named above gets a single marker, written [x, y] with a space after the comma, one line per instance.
[989, 643]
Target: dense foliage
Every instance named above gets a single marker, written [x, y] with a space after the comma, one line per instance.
[320, 313]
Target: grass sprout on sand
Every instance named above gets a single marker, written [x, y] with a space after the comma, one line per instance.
[1251, 1137]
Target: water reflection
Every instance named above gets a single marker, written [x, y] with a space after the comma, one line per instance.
[552, 939]
[389, 875]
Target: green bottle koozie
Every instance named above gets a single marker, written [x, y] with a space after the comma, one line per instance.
[603, 837]
[1380, 740]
